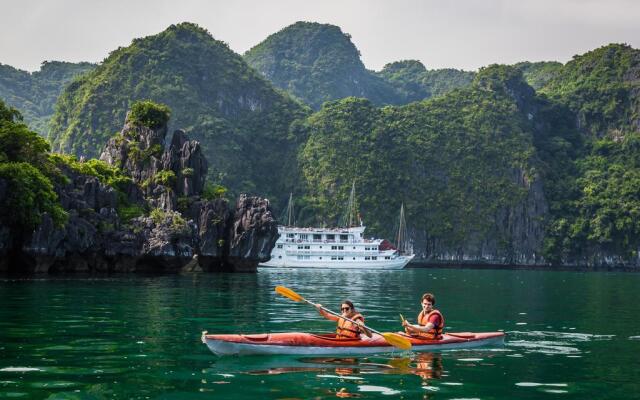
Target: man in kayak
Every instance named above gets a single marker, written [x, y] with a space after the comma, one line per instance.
[430, 321]
[346, 329]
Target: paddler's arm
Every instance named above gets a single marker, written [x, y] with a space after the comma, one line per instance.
[325, 314]
[418, 328]
[363, 329]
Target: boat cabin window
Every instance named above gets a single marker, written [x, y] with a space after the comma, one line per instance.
[279, 246]
[374, 257]
[344, 238]
[300, 247]
[290, 235]
[317, 237]
[340, 247]
[334, 247]
[331, 238]
[334, 257]
[367, 258]
[340, 258]
[387, 258]
[307, 247]
[303, 236]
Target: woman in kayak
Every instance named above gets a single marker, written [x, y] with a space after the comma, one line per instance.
[430, 320]
[346, 329]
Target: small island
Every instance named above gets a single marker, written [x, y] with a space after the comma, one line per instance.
[142, 207]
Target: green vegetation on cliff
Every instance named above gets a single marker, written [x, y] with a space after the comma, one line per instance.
[451, 160]
[26, 190]
[35, 94]
[601, 209]
[603, 88]
[241, 121]
[149, 114]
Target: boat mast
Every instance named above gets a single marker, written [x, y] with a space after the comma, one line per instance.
[350, 217]
[352, 198]
[401, 236]
[290, 211]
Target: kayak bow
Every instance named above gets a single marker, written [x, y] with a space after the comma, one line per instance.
[327, 344]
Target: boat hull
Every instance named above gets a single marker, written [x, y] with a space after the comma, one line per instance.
[298, 343]
[397, 263]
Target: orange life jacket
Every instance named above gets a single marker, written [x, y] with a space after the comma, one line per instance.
[347, 329]
[436, 332]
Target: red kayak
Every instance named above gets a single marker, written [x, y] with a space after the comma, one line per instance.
[327, 344]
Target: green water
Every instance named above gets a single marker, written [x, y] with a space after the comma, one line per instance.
[569, 336]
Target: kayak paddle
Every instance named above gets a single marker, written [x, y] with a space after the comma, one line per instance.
[392, 338]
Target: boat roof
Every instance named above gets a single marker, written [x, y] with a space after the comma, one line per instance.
[354, 229]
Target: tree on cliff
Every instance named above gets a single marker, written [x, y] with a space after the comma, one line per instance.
[26, 192]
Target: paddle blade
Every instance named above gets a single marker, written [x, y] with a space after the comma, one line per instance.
[397, 341]
[288, 293]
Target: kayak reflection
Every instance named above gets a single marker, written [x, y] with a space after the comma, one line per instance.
[425, 365]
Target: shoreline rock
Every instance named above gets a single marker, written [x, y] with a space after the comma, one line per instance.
[206, 235]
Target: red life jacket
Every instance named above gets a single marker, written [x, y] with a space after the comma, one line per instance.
[436, 332]
[347, 329]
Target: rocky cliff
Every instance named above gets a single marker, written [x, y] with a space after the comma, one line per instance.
[172, 227]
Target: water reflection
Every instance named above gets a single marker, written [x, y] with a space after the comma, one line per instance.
[354, 370]
[425, 365]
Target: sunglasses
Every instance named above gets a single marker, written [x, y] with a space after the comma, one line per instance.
[345, 308]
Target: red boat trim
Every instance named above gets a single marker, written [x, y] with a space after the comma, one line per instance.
[297, 339]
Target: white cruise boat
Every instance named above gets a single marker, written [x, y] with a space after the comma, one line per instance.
[339, 248]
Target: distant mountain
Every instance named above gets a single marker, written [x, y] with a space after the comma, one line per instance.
[316, 63]
[241, 121]
[35, 94]
[414, 82]
[538, 74]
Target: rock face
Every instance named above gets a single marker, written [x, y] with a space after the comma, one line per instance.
[516, 240]
[254, 234]
[178, 231]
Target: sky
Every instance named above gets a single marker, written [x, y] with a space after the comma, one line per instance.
[464, 34]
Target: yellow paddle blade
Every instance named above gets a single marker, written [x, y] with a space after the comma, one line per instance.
[286, 292]
[397, 341]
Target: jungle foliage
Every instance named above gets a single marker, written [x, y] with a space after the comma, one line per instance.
[213, 94]
[26, 189]
[449, 159]
[35, 94]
